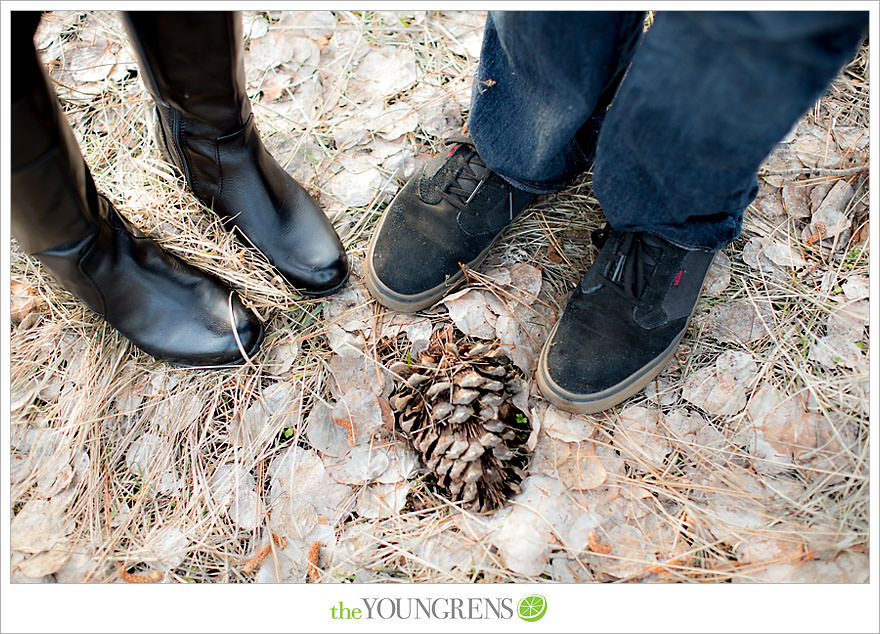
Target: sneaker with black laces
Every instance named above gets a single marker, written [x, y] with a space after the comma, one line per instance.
[623, 321]
[445, 218]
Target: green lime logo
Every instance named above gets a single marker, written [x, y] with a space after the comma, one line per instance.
[532, 608]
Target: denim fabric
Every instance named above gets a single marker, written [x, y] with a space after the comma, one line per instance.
[704, 99]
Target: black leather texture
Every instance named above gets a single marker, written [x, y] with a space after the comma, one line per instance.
[166, 307]
[194, 70]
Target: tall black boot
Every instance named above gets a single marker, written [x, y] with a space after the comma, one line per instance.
[164, 306]
[193, 67]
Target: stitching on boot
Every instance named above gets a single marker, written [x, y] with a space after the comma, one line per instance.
[217, 154]
[219, 170]
[177, 133]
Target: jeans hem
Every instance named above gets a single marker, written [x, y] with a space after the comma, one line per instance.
[530, 187]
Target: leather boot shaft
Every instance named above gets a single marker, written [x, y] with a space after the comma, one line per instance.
[193, 66]
[54, 200]
[163, 305]
[192, 61]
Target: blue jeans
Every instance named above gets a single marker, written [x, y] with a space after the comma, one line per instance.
[675, 121]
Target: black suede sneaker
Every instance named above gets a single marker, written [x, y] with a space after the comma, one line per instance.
[448, 215]
[623, 321]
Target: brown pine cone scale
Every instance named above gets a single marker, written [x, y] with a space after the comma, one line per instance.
[455, 404]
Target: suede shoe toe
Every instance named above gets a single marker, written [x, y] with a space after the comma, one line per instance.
[622, 323]
[446, 217]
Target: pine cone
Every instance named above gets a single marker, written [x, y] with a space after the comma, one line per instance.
[455, 405]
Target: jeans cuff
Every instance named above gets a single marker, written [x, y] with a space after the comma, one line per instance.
[532, 187]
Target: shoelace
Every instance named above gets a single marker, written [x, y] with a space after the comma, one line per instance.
[469, 180]
[631, 265]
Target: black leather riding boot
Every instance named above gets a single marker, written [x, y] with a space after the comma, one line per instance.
[193, 67]
[164, 306]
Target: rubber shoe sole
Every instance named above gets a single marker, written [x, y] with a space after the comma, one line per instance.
[614, 395]
[607, 398]
[419, 301]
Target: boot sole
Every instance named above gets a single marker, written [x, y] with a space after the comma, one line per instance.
[418, 301]
[325, 292]
[607, 398]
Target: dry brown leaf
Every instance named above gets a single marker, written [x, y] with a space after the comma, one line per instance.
[377, 501]
[522, 531]
[575, 464]
[129, 577]
[782, 254]
[355, 372]
[553, 254]
[299, 475]
[268, 51]
[349, 427]
[273, 86]
[522, 338]
[564, 426]
[721, 390]
[387, 70]
[404, 462]
[314, 572]
[282, 355]
[352, 189]
[796, 200]
[448, 552]
[525, 282]
[470, 312]
[39, 526]
[24, 299]
[323, 435]
[583, 470]
[47, 562]
[818, 236]
[782, 431]
[857, 287]
[831, 214]
[838, 350]
[254, 562]
[638, 437]
[756, 549]
[90, 62]
[363, 464]
[633, 555]
[741, 321]
[786, 424]
[166, 547]
[812, 147]
[782, 158]
[595, 545]
[718, 275]
[234, 488]
[387, 414]
[768, 203]
[847, 567]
